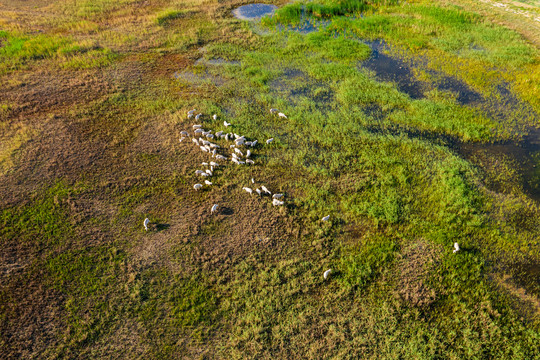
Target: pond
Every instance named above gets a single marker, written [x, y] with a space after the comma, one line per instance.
[253, 11]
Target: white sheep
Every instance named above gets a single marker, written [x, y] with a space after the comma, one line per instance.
[276, 202]
[145, 223]
[327, 273]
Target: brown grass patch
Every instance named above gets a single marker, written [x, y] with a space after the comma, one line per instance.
[417, 261]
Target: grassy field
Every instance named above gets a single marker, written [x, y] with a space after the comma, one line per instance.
[95, 96]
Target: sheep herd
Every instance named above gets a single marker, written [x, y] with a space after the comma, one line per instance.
[234, 147]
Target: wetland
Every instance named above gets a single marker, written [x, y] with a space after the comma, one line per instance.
[404, 128]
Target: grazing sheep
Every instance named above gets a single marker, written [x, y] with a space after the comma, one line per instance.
[249, 190]
[214, 208]
[327, 273]
[145, 223]
[326, 218]
[197, 186]
[276, 202]
[456, 247]
[269, 140]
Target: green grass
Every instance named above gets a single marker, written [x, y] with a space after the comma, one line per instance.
[21, 50]
[167, 16]
[89, 280]
[43, 222]
[364, 263]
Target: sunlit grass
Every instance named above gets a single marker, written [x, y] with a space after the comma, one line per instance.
[21, 50]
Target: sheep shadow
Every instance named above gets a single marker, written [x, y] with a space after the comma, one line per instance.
[227, 211]
[161, 227]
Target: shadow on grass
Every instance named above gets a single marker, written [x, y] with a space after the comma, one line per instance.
[227, 211]
[161, 227]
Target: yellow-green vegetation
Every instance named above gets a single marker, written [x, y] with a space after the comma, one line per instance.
[92, 111]
[13, 137]
[18, 50]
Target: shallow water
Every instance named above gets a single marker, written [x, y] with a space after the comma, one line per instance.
[524, 154]
[295, 84]
[253, 11]
[393, 69]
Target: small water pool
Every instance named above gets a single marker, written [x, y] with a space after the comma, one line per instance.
[253, 11]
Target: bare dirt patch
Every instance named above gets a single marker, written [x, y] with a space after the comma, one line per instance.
[46, 91]
[417, 260]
